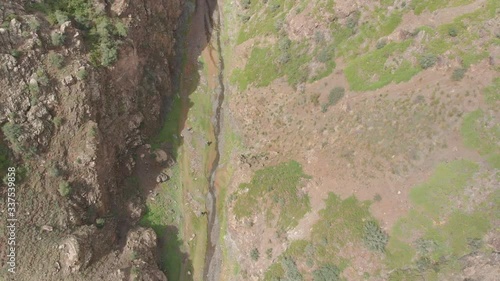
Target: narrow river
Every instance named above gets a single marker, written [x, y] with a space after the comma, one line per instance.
[203, 39]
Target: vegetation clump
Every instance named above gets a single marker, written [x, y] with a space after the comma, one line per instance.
[427, 60]
[375, 239]
[102, 32]
[254, 254]
[336, 94]
[458, 74]
[327, 272]
[64, 188]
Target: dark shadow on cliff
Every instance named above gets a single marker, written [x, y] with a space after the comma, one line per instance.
[171, 258]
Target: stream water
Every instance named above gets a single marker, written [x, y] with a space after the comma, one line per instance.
[202, 38]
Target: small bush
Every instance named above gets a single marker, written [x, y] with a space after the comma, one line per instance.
[254, 254]
[33, 88]
[12, 132]
[54, 59]
[41, 77]
[284, 58]
[121, 29]
[54, 171]
[269, 253]
[273, 7]
[452, 31]
[284, 44]
[315, 99]
[375, 239]
[245, 4]
[425, 246]
[278, 25]
[64, 188]
[377, 198]
[34, 24]
[336, 94]
[60, 17]
[57, 38]
[427, 60]
[458, 74]
[245, 18]
[327, 273]
[81, 74]
[100, 222]
[292, 273]
[57, 121]
[319, 37]
[381, 43]
[15, 53]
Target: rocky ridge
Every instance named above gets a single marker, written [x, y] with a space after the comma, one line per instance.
[73, 125]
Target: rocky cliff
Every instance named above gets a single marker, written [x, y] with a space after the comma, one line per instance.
[82, 85]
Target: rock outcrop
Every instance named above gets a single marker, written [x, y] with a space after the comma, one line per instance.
[74, 123]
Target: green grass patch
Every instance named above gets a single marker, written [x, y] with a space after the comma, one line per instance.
[169, 133]
[437, 232]
[420, 6]
[481, 132]
[437, 195]
[164, 216]
[278, 187]
[492, 93]
[267, 64]
[376, 68]
[341, 221]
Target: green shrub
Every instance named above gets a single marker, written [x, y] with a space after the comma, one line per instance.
[381, 43]
[319, 37]
[458, 74]
[269, 253]
[41, 77]
[375, 239]
[54, 59]
[33, 24]
[15, 53]
[57, 38]
[64, 188]
[427, 60]
[254, 254]
[284, 58]
[336, 94]
[315, 99]
[452, 31]
[12, 132]
[327, 272]
[284, 44]
[81, 74]
[57, 121]
[425, 246]
[100, 222]
[60, 17]
[292, 273]
[121, 29]
[245, 4]
[54, 171]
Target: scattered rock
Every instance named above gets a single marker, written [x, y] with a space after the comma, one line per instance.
[160, 156]
[47, 228]
[162, 178]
